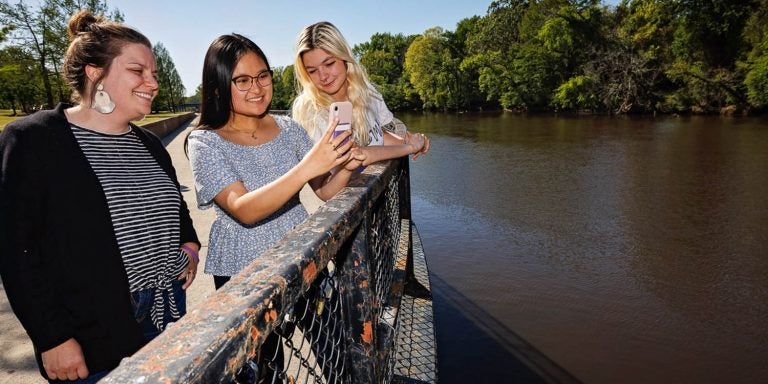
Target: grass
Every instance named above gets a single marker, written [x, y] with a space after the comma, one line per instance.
[5, 117]
[155, 117]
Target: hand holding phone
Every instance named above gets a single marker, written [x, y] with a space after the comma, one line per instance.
[342, 110]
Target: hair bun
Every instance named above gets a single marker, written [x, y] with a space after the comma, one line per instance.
[80, 22]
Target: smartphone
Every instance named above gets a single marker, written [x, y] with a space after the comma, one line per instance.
[342, 110]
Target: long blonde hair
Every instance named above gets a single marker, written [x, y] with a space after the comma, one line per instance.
[311, 101]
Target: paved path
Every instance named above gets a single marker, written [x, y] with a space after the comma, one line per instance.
[17, 362]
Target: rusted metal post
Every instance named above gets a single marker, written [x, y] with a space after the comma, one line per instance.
[360, 314]
[412, 286]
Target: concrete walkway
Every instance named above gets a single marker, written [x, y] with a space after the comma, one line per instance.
[17, 362]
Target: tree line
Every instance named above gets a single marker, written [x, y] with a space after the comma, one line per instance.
[640, 56]
[34, 40]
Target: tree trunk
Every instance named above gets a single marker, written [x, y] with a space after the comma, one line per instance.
[46, 82]
[59, 82]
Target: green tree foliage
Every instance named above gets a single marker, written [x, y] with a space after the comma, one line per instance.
[433, 63]
[756, 65]
[707, 45]
[18, 90]
[384, 55]
[756, 80]
[40, 30]
[490, 48]
[30, 27]
[171, 93]
[384, 59]
[578, 93]
[283, 88]
[468, 94]
[499, 28]
[428, 64]
[629, 66]
[523, 51]
[712, 30]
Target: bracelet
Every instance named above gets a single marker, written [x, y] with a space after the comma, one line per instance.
[191, 251]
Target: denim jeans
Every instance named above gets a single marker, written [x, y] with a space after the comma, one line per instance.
[142, 303]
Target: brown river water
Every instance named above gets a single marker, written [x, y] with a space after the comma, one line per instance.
[625, 250]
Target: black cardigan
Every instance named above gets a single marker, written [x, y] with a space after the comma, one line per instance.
[59, 258]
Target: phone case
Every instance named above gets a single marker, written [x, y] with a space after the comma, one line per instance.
[342, 110]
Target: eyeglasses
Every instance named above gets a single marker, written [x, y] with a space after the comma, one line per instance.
[245, 82]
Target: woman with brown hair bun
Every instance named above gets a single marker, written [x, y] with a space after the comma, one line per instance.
[96, 242]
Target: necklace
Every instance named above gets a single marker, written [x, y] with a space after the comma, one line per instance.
[252, 133]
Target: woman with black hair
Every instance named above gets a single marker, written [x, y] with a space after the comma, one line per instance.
[249, 164]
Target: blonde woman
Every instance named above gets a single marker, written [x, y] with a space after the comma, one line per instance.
[327, 71]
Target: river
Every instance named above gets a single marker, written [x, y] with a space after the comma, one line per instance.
[625, 250]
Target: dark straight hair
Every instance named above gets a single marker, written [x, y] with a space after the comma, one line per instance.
[220, 61]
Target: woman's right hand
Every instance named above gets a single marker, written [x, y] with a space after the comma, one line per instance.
[328, 152]
[65, 361]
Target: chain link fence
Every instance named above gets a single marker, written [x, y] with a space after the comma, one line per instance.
[321, 306]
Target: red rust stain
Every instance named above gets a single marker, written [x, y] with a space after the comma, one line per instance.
[254, 333]
[233, 364]
[309, 272]
[364, 284]
[367, 332]
[153, 365]
[270, 315]
[251, 311]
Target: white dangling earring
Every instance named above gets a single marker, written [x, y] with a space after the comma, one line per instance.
[101, 101]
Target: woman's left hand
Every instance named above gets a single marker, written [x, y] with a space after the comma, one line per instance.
[190, 272]
[419, 141]
[356, 159]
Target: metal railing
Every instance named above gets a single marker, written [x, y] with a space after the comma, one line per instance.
[320, 306]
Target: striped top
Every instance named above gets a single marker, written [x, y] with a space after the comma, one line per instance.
[144, 206]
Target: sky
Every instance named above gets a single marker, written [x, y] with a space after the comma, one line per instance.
[186, 28]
